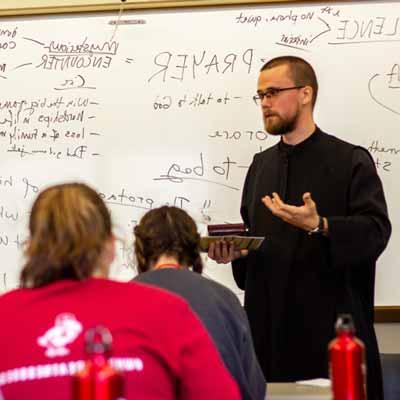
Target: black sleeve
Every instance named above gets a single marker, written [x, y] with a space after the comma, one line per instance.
[361, 235]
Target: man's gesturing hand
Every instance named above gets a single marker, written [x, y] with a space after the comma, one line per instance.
[305, 217]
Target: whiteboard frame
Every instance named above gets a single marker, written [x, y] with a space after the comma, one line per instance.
[32, 7]
[35, 7]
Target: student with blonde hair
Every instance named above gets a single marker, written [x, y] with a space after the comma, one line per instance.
[65, 291]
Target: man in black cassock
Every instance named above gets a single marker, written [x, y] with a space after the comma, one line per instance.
[320, 204]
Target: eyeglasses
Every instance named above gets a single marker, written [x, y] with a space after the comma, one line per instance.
[272, 93]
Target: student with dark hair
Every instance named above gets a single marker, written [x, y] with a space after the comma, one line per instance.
[320, 203]
[167, 252]
[65, 291]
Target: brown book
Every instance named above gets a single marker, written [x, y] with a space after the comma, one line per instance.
[227, 230]
[239, 242]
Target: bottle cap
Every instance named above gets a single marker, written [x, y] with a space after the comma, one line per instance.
[345, 323]
[98, 340]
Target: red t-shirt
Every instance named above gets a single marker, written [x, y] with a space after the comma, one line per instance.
[158, 342]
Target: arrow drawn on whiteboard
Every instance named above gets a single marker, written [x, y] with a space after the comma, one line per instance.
[33, 40]
[323, 32]
[22, 65]
[129, 60]
[375, 99]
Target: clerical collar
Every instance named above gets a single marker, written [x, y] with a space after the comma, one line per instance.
[286, 148]
[290, 148]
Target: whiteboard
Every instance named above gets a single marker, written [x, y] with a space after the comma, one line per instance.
[159, 110]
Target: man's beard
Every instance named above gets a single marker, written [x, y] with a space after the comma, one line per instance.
[280, 126]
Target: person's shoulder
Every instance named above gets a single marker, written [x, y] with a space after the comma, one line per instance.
[163, 278]
[31, 293]
[331, 138]
[138, 288]
[13, 296]
[224, 297]
[146, 290]
[188, 279]
[221, 289]
[168, 274]
[359, 153]
[156, 275]
[265, 153]
[183, 282]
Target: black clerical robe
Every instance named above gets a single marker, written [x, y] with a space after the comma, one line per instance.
[297, 284]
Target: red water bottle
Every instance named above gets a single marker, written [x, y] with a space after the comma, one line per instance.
[347, 362]
[98, 380]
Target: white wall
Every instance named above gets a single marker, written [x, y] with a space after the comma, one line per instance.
[388, 337]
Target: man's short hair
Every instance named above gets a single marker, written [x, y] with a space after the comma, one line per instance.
[302, 73]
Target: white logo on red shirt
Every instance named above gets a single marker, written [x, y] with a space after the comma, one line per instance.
[65, 330]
